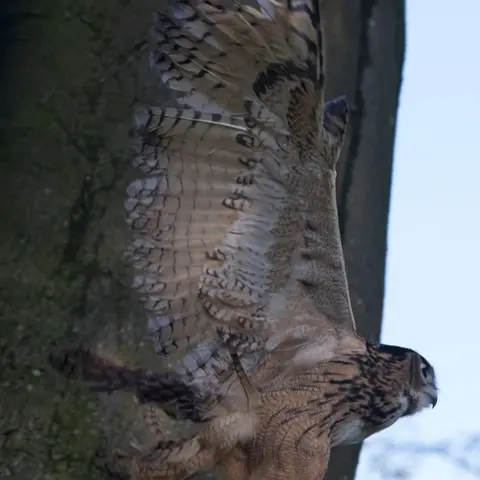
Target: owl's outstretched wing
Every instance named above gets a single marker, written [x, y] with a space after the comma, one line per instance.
[235, 221]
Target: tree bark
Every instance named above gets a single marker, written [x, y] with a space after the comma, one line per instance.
[365, 47]
[71, 72]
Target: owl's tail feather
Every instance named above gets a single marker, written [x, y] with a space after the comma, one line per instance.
[170, 390]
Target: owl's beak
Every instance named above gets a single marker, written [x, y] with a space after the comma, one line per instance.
[433, 399]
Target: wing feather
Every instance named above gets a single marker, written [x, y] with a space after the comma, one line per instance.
[235, 221]
[177, 211]
[200, 48]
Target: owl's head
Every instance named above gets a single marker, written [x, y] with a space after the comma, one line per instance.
[421, 388]
[424, 390]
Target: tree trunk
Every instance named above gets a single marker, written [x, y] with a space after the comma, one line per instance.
[71, 72]
[366, 44]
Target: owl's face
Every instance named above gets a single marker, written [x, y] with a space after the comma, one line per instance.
[414, 376]
[423, 392]
[394, 382]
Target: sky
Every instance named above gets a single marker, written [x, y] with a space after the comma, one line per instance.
[433, 262]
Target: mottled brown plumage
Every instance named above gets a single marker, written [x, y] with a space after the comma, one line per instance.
[238, 259]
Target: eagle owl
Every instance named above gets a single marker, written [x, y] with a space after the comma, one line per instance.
[238, 258]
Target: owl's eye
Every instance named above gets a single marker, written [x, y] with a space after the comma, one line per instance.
[425, 371]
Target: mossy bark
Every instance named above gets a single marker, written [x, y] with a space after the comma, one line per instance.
[71, 72]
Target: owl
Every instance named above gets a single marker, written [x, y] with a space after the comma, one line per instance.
[237, 255]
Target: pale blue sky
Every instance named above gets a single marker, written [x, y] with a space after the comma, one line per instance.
[433, 258]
